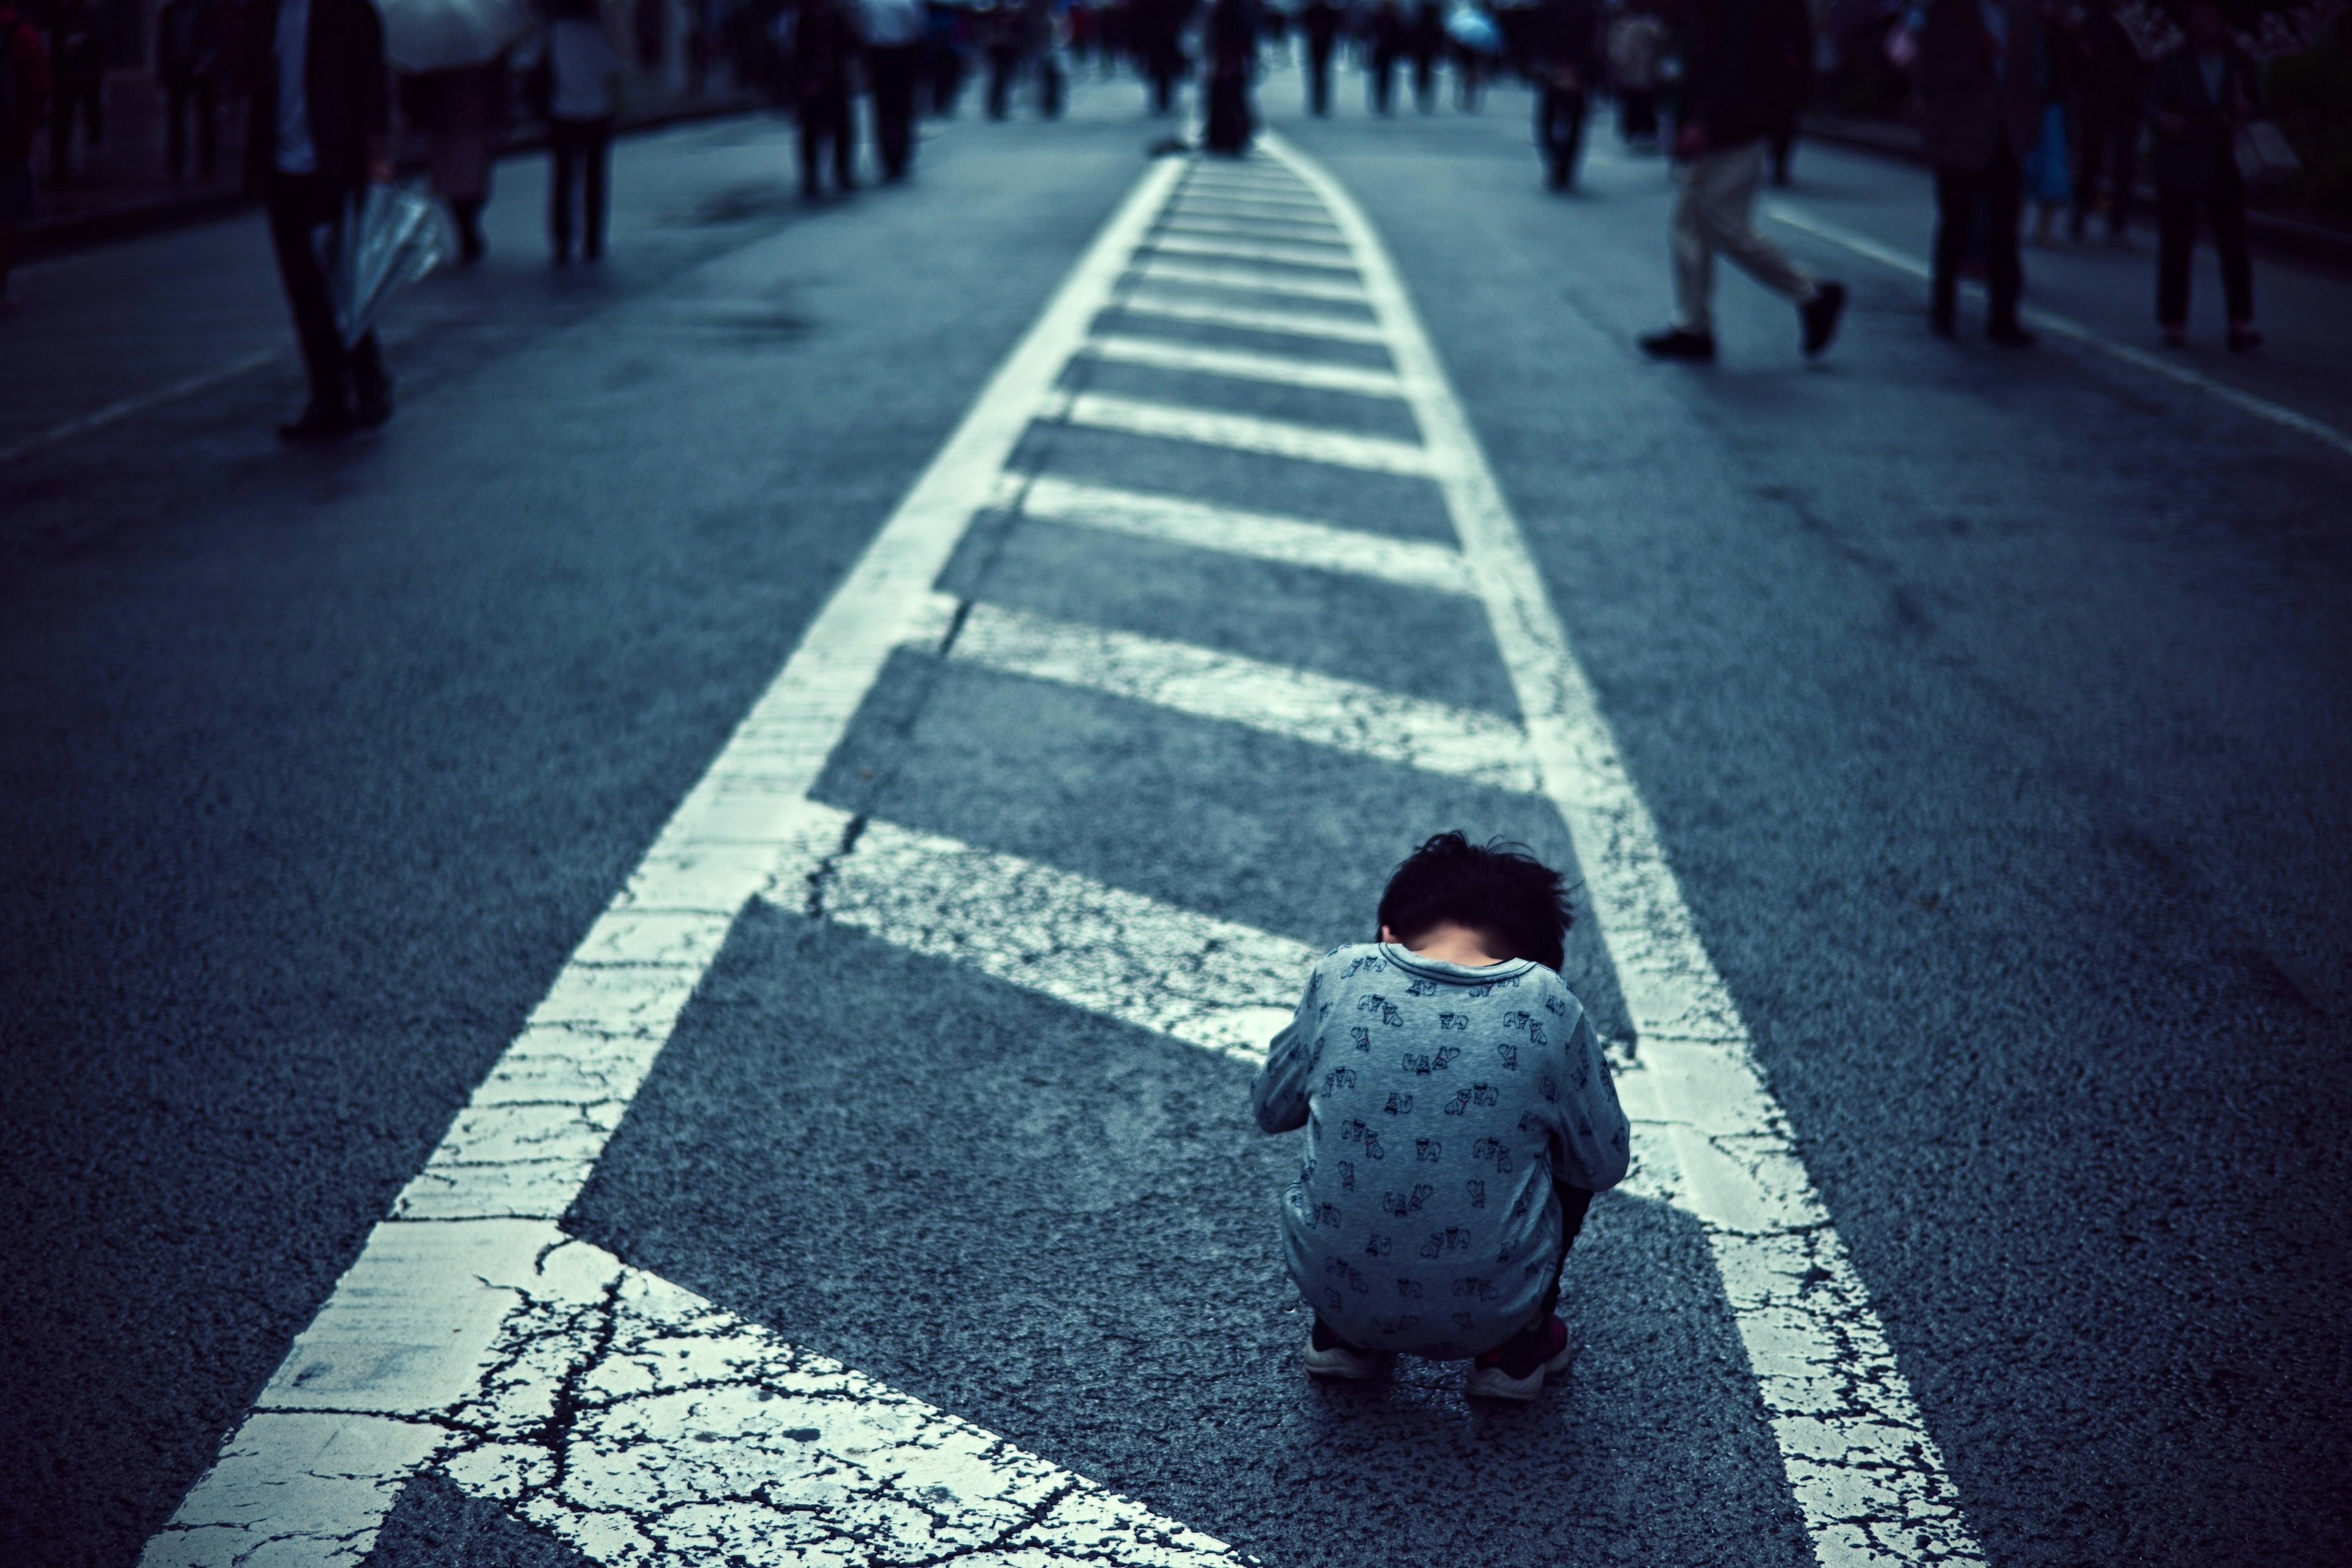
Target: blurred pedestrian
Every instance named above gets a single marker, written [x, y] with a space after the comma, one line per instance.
[463, 112]
[2197, 97]
[1003, 32]
[1565, 48]
[824, 51]
[1158, 30]
[1743, 66]
[317, 131]
[1637, 46]
[895, 42]
[1230, 40]
[2048, 168]
[1041, 49]
[1427, 35]
[1320, 21]
[1784, 132]
[76, 82]
[24, 97]
[1384, 46]
[583, 86]
[188, 65]
[1978, 77]
[2107, 80]
[948, 35]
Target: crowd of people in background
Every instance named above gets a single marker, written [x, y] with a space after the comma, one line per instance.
[2047, 111]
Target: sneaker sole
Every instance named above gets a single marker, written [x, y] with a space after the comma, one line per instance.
[1494, 1383]
[1340, 1366]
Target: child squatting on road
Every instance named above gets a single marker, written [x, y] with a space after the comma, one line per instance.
[1459, 1119]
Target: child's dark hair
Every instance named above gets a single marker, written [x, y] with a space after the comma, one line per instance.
[1499, 890]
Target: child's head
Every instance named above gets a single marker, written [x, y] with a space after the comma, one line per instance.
[1511, 899]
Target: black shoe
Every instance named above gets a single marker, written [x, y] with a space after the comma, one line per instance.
[319, 423]
[1821, 315]
[2010, 335]
[2244, 340]
[1942, 326]
[374, 404]
[1696, 347]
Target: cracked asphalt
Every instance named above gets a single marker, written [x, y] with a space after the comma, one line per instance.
[1994, 712]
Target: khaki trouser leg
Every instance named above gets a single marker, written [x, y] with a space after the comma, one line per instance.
[1719, 192]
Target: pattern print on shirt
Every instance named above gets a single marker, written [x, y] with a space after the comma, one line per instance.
[1378, 1246]
[1453, 1020]
[1477, 1094]
[1428, 1151]
[1399, 1105]
[1338, 1078]
[1369, 960]
[1385, 1008]
[1347, 1175]
[1477, 1191]
[1492, 1149]
[1410, 1289]
[1357, 1132]
[1423, 1063]
[1453, 1239]
[1362, 1037]
[1476, 1287]
[1403, 1203]
[1422, 988]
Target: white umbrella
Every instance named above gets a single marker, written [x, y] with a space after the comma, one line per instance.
[443, 35]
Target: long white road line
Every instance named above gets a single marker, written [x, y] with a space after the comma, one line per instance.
[389, 1375]
[1265, 536]
[537, 1371]
[2076, 331]
[1296, 704]
[1867, 1478]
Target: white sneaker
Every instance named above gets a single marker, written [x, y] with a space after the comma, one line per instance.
[1487, 1380]
[1341, 1362]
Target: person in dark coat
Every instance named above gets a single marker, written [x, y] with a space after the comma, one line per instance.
[1427, 36]
[1979, 82]
[824, 51]
[2109, 84]
[188, 65]
[1565, 48]
[1230, 40]
[1320, 21]
[24, 57]
[317, 133]
[2197, 97]
[77, 82]
[896, 39]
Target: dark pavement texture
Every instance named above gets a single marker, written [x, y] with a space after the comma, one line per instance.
[1994, 709]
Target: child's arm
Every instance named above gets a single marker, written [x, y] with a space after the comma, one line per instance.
[1595, 1140]
[1279, 1095]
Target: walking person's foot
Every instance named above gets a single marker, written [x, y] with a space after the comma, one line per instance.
[1515, 1369]
[1821, 315]
[2010, 335]
[1942, 326]
[374, 404]
[2244, 340]
[1695, 348]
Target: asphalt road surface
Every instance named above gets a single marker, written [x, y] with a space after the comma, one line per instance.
[660, 964]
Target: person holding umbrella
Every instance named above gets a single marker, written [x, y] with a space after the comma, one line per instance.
[317, 134]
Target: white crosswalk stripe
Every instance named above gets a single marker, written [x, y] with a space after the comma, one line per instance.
[1289, 254]
[1250, 280]
[1294, 324]
[1281, 370]
[1296, 704]
[1242, 432]
[1265, 536]
[1270, 230]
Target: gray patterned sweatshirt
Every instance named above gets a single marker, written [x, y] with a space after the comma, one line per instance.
[1440, 1104]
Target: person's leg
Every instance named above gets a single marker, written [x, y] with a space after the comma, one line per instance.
[2176, 235]
[176, 142]
[62, 108]
[298, 207]
[1573, 137]
[1727, 202]
[812, 137]
[563, 150]
[2090, 161]
[2225, 208]
[94, 112]
[2004, 199]
[845, 140]
[207, 126]
[1956, 191]
[597, 168]
[1693, 255]
[2125, 136]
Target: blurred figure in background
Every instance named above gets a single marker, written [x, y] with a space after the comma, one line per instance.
[1980, 99]
[895, 32]
[23, 98]
[188, 66]
[1320, 21]
[824, 50]
[1744, 67]
[1637, 46]
[2048, 168]
[2197, 97]
[77, 82]
[1003, 30]
[584, 97]
[1564, 49]
[317, 131]
[1784, 135]
[1384, 44]
[1427, 36]
[948, 42]
[1230, 40]
[2108, 80]
[1158, 28]
[463, 112]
